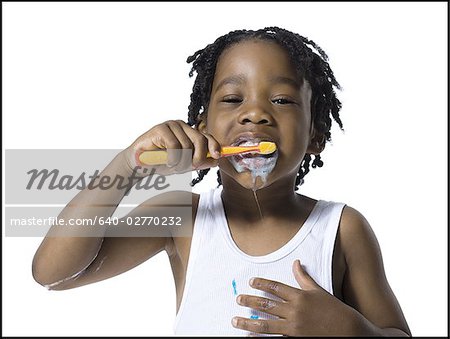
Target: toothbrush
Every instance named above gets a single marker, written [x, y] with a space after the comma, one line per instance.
[159, 157]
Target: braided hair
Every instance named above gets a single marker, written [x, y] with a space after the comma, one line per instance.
[311, 65]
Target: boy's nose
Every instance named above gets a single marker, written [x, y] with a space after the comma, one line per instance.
[255, 114]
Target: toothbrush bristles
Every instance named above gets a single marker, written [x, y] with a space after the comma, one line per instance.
[267, 147]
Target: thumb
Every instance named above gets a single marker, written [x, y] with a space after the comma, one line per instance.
[303, 278]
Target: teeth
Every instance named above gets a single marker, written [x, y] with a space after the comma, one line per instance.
[249, 143]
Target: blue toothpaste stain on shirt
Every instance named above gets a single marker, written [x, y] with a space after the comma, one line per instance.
[234, 287]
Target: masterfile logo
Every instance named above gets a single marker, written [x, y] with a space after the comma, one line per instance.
[41, 184]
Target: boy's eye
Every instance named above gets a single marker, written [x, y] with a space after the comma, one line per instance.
[232, 100]
[282, 101]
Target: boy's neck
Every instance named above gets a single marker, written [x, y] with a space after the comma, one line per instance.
[277, 201]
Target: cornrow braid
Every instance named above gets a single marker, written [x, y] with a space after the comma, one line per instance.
[310, 61]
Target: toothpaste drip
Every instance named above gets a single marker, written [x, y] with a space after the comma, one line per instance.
[259, 166]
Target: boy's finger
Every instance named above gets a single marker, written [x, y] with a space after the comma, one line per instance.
[166, 139]
[276, 288]
[185, 160]
[180, 134]
[200, 145]
[270, 306]
[184, 154]
[213, 146]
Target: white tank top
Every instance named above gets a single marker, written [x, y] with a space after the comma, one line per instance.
[218, 270]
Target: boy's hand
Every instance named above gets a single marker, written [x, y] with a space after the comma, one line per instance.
[174, 136]
[307, 311]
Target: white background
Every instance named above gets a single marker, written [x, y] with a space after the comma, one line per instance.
[97, 75]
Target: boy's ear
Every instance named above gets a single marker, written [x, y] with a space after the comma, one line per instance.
[316, 145]
[201, 126]
[316, 142]
[201, 123]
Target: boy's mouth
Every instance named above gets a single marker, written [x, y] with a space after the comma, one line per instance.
[253, 161]
[245, 141]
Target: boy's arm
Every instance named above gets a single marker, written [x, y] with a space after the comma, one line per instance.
[365, 286]
[71, 256]
[115, 254]
[87, 256]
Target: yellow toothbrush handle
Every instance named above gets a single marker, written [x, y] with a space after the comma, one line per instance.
[153, 157]
[156, 157]
[160, 157]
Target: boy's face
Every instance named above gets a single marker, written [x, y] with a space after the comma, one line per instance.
[257, 95]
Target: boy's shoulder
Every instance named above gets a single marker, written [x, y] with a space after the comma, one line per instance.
[352, 220]
[356, 234]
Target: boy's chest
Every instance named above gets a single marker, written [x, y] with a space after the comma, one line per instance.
[266, 245]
